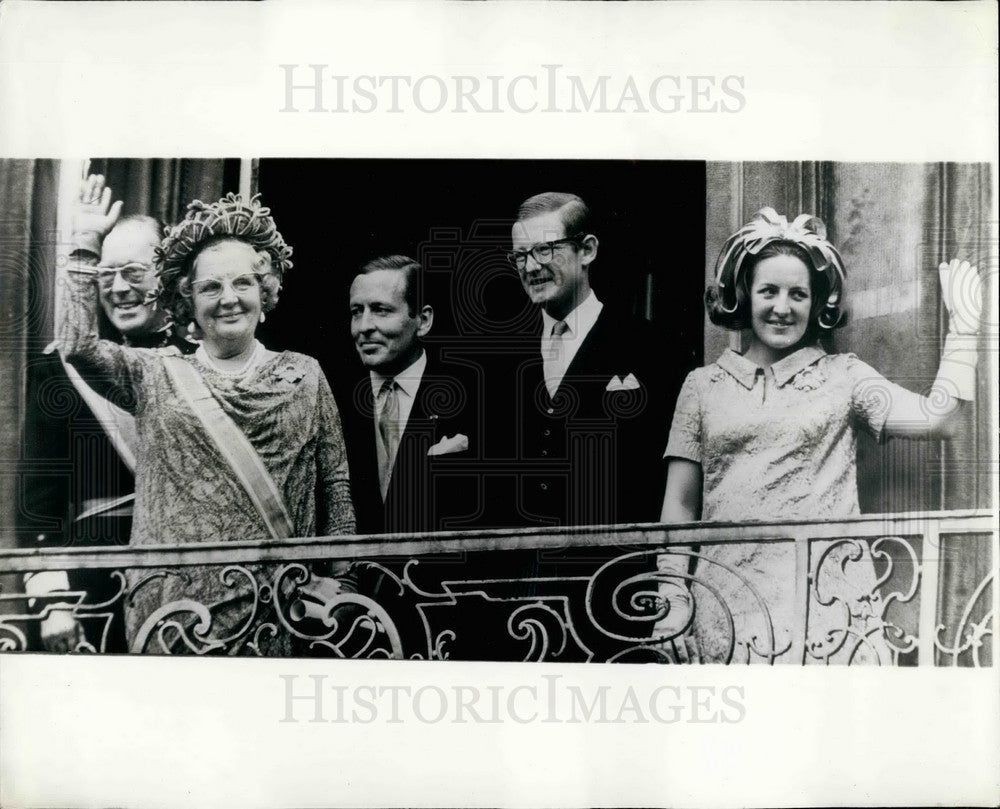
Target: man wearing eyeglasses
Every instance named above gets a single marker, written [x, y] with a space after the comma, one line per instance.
[593, 415]
[78, 462]
[127, 282]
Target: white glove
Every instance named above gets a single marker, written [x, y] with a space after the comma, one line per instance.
[962, 292]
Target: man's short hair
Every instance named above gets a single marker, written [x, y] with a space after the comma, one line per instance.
[413, 291]
[156, 226]
[573, 211]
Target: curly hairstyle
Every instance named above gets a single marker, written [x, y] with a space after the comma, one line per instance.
[767, 235]
[208, 224]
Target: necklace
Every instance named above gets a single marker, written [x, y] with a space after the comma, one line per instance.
[247, 366]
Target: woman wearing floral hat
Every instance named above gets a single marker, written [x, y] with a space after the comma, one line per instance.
[770, 435]
[235, 441]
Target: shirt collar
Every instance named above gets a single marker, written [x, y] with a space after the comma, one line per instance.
[408, 379]
[580, 321]
[744, 371]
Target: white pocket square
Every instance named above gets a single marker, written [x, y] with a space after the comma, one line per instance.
[457, 443]
[628, 383]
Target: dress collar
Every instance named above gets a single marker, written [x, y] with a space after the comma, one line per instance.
[744, 371]
[787, 368]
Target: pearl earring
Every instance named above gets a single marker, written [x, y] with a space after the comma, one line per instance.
[261, 317]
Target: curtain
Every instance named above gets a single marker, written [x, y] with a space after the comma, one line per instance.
[163, 188]
[27, 262]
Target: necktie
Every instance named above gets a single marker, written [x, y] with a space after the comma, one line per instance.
[554, 359]
[387, 422]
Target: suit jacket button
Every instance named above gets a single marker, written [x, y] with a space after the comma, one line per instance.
[544, 487]
[546, 431]
[545, 453]
[550, 410]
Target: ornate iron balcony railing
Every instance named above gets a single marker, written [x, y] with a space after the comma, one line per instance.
[910, 589]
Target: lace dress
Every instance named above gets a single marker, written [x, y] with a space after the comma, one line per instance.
[187, 492]
[777, 445]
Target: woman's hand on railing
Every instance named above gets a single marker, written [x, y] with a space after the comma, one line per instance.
[671, 634]
[676, 597]
[323, 597]
[682, 650]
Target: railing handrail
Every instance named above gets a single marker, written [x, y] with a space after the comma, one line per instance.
[394, 545]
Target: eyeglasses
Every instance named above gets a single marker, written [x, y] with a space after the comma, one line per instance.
[212, 287]
[132, 274]
[542, 253]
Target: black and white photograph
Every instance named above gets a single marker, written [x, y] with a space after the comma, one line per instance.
[540, 383]
[377, 427]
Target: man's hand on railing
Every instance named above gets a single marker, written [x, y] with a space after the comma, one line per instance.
[61, 632]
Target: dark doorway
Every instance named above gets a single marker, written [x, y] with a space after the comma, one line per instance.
[455, 216]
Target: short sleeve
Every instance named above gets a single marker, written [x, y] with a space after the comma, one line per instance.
[685, 430]
[872, 395]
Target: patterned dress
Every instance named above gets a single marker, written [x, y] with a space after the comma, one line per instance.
[187, 492]
[774, 445]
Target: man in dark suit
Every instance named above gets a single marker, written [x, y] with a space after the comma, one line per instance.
[412, 430]
[593, 415]
[77, 466]
[412, 435]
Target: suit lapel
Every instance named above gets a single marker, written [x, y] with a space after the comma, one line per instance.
[588, 357]
[585, 361]
[364, 468]
[418, 413]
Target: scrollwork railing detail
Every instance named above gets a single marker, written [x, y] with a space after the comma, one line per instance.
[862, 588]
[969, 634]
